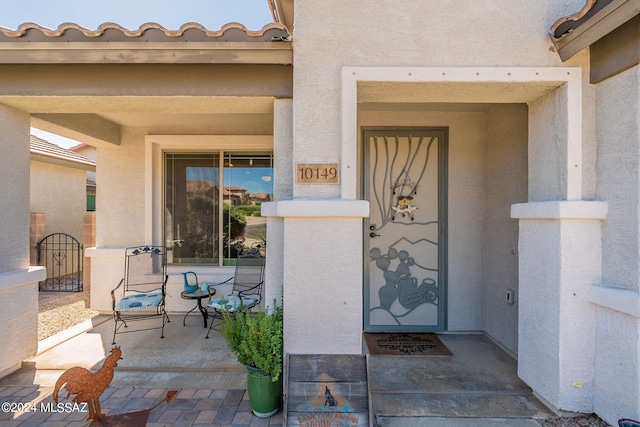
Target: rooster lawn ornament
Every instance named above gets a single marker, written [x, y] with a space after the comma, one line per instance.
[88, 386]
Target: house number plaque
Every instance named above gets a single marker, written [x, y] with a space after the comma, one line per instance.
[317, 173]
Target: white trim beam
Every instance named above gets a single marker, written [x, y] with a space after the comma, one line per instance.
[622, 300]
[560, 210]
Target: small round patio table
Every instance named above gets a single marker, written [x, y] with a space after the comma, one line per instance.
[197, 295]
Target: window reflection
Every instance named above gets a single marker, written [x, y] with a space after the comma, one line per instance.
[201, 222]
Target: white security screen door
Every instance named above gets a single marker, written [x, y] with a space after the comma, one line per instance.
[405, 235]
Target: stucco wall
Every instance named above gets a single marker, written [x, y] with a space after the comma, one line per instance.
[60, 193]
[618, 177]
[121, 210]
[556, 322]
[329, 35]
[19, 307]
[322, 296]
[18, 281]
[14, 169]
[90, 153]
[282, 190]
[506, 183]
[617, 343]
[547, 151]
[617, 365]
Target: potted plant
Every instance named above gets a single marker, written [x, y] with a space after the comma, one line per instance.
[257, 341]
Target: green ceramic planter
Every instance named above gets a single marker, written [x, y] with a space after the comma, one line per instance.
[265, 395]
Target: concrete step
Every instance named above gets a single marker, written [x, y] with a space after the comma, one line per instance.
[483, 405]
[478, 380]
[177, 378]
[454, 422]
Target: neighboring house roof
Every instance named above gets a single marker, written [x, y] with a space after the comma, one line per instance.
[235, 189]
[47, 152]
[260, 196]
[79, 147]
[193, 186]
[149, 32]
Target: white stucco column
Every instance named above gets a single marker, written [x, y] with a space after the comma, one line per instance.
[14, 169]
[560, 254]
[322, 274]
[18, 281]
[282, 190]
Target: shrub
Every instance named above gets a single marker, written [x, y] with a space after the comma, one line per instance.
[256, 338]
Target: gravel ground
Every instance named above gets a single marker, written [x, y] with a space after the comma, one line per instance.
[591, 420]
[58, 311]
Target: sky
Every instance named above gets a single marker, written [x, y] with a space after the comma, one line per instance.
[212, 14]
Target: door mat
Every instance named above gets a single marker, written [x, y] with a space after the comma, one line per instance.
[405, 344]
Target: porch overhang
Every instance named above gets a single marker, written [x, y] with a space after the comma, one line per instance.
[151, 43]
[90, 84]
[92, 102]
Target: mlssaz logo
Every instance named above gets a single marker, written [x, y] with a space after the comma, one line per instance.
[64, 407]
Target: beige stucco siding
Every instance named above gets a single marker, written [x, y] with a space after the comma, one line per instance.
[18, 281]
[60, 193]
[330, 35]
[14, 198]
[617, 365]
[506, 184]
[121, 210]
[618, 173]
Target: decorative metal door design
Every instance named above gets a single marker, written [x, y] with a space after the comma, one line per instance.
[62, 255]
[405, 241]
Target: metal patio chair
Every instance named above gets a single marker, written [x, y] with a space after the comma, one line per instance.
[141, 293]
[246, 291]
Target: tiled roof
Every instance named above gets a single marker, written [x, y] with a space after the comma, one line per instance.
[78, 147]
[597, 19]
[47, 149]
[149, 32]
[569, 23]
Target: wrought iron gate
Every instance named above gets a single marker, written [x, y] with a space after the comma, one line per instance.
[62, 255]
